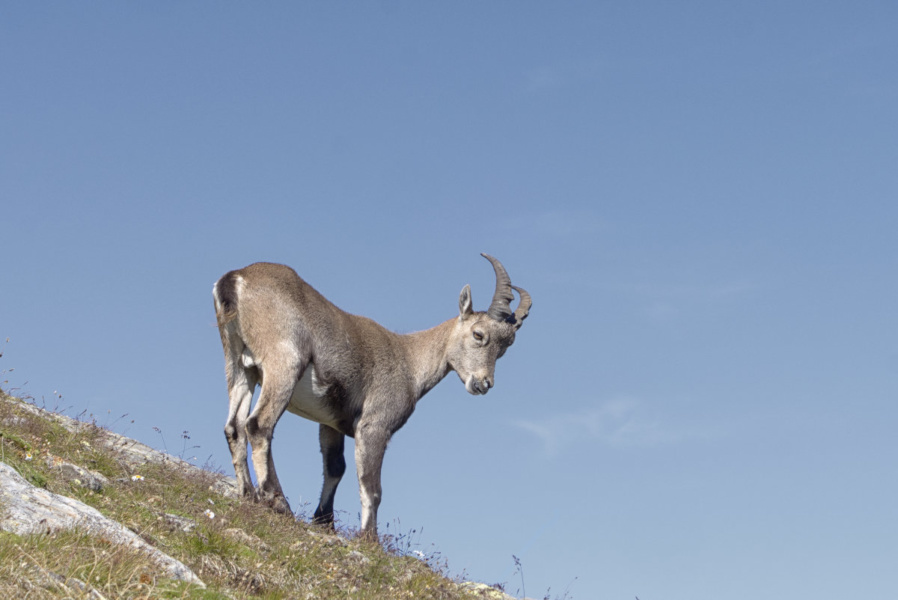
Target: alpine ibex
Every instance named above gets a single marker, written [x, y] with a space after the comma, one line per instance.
[343, 371]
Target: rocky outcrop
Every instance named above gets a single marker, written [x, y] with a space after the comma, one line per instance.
[78, 475]
[27, 509]
[132, 452]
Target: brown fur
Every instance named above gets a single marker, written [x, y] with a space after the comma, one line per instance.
[364, 380]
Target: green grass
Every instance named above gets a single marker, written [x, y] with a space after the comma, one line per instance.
[245, 550]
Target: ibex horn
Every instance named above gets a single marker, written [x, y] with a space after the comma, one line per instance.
[523, 308]
[500, 309]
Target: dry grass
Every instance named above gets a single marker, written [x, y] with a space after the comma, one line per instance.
[239, 549]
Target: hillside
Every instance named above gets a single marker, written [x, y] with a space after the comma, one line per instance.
[87, 513]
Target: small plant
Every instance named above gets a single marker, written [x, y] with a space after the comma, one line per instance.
[519, 569]
[408, 544]
[161, 437]
[185, 437]
[4, 385]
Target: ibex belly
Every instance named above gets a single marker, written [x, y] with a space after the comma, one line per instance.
[310, 400]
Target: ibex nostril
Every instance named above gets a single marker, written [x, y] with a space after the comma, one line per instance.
[481, 386]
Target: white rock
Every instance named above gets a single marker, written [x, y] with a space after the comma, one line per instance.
[27, 509]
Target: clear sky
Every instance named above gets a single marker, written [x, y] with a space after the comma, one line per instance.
[701, 197]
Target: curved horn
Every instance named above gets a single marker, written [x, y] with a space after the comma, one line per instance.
[523, 308]
[500, 309]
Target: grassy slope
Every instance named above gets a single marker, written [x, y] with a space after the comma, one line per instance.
[245, 550]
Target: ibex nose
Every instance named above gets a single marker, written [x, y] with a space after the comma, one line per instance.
[484, 385]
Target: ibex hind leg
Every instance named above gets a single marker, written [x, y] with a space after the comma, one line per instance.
[277, 388]
[242, 379]
[241, 385]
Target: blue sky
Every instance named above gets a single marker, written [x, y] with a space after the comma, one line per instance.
[701, 197]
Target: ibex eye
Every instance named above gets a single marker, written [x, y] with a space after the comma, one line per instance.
[478, 336]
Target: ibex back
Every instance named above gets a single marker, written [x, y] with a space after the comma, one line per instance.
[343, 371]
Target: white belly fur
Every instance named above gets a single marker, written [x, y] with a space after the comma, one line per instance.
[309, 401]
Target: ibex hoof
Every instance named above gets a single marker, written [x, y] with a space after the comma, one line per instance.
[368, 535]
[324, 521]
[275, 502]
[280, 505]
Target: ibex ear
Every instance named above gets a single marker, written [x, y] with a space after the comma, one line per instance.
[465, 305]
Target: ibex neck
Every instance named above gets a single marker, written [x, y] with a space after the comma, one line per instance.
[427, 352]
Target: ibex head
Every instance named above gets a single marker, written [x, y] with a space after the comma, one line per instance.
[482, 337]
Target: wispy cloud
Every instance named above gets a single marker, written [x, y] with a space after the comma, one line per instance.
[620, 422]
[683, 291]
[665, 301]
[558, 75]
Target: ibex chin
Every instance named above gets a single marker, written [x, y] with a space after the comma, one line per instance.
[343, 371]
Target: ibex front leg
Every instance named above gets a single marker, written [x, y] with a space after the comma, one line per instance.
[332, 442]
[370, 445]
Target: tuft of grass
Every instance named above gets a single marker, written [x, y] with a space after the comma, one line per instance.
[238, 548]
